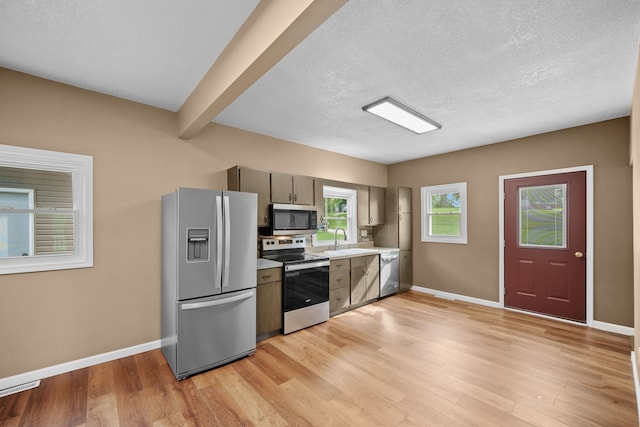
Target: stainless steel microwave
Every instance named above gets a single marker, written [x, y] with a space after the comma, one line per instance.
[289, 220]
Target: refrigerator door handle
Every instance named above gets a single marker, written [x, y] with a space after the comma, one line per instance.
[227, 242]
[196, 305]
[218, 278]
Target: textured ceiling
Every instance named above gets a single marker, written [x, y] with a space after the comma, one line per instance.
[487, 71]
[150, 51]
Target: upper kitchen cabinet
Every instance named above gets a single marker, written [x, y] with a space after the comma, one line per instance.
[240, 178]
[404, 199]
[319, 198]
[370, 205]
[297, 190]
[396, 232]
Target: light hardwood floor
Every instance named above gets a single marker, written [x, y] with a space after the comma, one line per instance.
[408, 360]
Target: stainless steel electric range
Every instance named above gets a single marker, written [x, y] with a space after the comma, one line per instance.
[305, 285]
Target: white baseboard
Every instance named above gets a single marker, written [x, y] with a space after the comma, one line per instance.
[454, 297]
[609, 327]
[636, 384]
[612, 327]
[50, 371]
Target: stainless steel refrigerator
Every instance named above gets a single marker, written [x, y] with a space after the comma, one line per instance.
[209, 246]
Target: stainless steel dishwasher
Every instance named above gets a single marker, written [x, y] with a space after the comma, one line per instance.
[389, 271]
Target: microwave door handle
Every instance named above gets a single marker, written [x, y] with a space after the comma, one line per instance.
[227, 243]
[218, 278]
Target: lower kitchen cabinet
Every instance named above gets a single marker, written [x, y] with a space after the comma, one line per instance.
[405, 266]
[365, 278]
[353, 282]
[373, 277]
[339, 285]
[268, 303]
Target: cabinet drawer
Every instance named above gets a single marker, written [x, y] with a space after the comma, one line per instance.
[339, 299]
[339, 279]
[340, 264]
[269, 275]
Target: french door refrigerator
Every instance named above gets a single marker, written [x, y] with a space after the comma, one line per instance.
[208, 275]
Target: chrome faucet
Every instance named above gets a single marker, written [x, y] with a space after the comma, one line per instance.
[335, 235]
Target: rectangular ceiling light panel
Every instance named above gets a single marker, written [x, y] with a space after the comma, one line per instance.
[392, 110]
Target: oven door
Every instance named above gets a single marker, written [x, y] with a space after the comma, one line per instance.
[305, 284]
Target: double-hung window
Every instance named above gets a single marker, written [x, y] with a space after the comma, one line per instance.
[339, 212]
[444, 213]
[46, 218]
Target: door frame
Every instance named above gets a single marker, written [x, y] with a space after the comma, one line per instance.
[588, 169]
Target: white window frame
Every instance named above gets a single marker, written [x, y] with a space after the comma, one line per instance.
[81, 169]
[425, 194]
[352, 214]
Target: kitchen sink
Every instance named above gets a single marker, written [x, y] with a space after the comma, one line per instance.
[348, 252]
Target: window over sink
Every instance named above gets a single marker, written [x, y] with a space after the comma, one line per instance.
[339, 211]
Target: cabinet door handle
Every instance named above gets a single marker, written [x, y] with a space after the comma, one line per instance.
[268, 276]
[295, 197]
[289, 196]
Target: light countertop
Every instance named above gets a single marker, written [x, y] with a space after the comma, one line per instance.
[353, 252]
[267, 263]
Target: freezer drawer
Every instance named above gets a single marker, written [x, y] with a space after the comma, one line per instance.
[214, 331]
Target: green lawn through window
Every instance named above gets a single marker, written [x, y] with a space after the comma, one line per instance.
[446, 222]
[337, 220]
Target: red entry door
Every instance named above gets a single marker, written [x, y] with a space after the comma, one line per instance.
[545, 243]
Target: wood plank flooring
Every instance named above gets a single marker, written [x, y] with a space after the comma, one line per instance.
[408, 360]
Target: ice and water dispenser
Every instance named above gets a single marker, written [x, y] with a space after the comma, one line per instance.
[197, 244]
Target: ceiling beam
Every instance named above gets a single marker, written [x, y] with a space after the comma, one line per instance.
[272, 30]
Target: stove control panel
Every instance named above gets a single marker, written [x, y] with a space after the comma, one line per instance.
[274, 244]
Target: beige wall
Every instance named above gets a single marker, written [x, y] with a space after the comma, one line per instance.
[473, 269]
[635, 158]
[54, 317]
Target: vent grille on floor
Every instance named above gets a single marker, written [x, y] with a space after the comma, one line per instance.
[19, 388]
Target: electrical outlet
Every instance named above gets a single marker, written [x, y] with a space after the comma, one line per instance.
[363, 233]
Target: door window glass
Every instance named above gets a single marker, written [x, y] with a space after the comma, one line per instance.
[543, 216]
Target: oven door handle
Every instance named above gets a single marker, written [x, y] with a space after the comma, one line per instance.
[306, 265]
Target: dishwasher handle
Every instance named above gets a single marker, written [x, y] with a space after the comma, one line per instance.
[388, 257]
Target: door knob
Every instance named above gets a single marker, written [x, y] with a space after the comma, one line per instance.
[579, 254]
